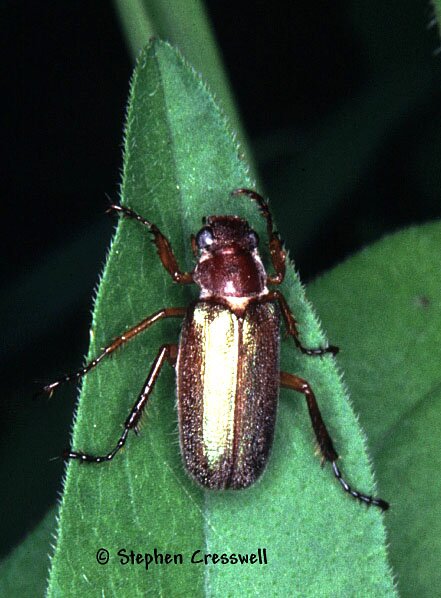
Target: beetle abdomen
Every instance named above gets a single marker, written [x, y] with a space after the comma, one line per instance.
[227, 385]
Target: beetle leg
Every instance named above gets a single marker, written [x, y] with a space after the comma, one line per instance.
[291, 326]
[278, 255]
[168, 312]
[323, 438]
[322, 435]
[166, 353]
[163, 246]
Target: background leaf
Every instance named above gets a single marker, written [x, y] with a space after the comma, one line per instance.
[24, 572]
[180, 164]
[390, 294]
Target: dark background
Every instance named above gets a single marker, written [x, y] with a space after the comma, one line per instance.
[341, 104]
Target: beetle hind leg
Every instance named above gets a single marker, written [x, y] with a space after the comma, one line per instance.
[166, 353]
[324, 440]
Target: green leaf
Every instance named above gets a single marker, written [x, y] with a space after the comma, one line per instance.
[390, 297]
[24, 572]
[180, 164]
[187, 26]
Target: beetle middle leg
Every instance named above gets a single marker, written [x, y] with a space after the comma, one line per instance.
[291, 326]
[168, 312]
[323, 438]
[166, 353]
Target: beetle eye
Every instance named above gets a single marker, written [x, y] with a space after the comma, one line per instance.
[253, 239]
[204, 238]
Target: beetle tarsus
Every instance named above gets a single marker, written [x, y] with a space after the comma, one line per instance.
[86, 458]
[364, 498]
[47, 390]
[129, 213]
[318, 351]
[333, 349]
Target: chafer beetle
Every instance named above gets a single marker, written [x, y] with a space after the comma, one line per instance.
[227, 359]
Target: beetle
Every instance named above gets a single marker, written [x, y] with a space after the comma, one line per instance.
[227, 359]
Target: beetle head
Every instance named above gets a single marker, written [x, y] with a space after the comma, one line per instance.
[223, 232]
[229, 264]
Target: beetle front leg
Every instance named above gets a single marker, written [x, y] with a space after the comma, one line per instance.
[168, 312]
[166, 353]
[163, 246]
[278, 254]
[323, 438]
[291, 326]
